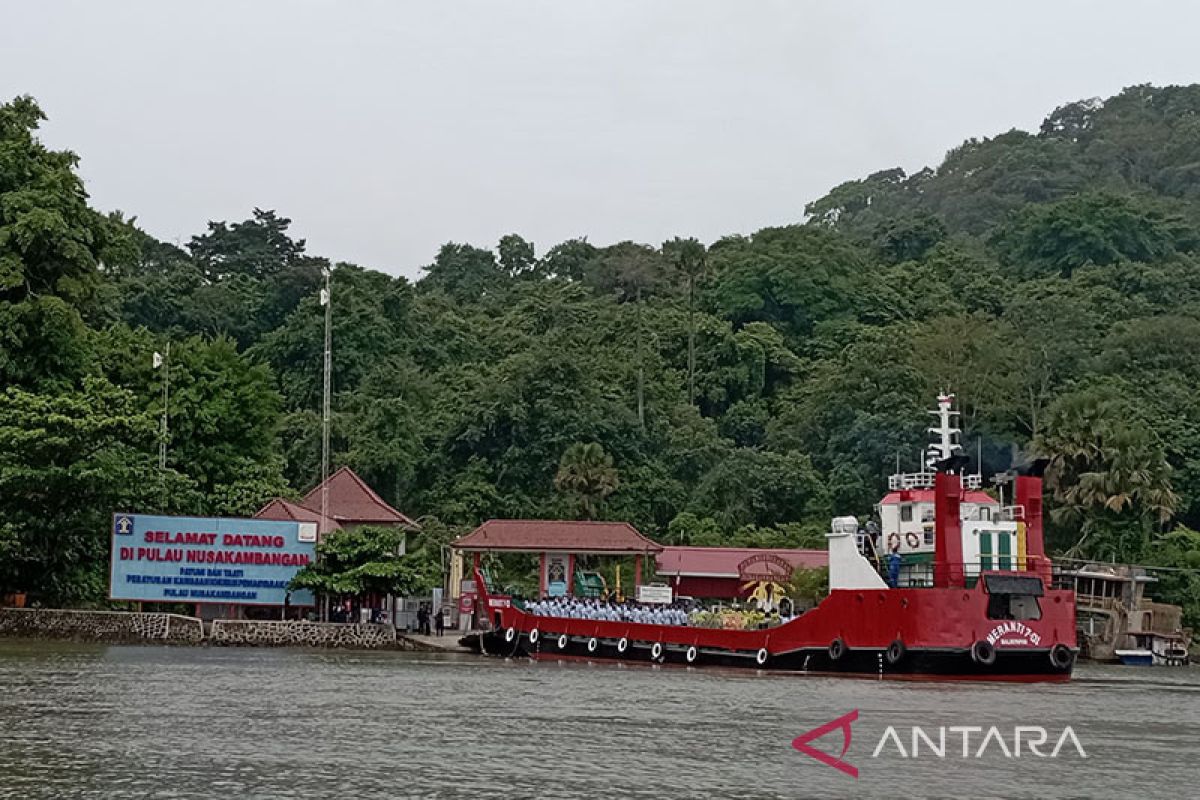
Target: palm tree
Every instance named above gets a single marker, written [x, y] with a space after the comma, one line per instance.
[586, 472]
[1108, 474]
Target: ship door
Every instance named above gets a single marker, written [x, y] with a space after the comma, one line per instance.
[1004, 549]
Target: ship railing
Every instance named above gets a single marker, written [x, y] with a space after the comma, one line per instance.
[916, 576]
[904, 481]
[1012, 513]
[911, 480]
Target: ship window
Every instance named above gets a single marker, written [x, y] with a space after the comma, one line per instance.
[1013, 606]
[906, 512]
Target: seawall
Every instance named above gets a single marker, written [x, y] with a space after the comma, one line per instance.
[253, 633]
[124, 627]
[99, 626]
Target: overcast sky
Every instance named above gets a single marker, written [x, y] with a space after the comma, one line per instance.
[384, 129]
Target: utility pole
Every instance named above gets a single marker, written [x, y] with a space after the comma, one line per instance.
[326, 301]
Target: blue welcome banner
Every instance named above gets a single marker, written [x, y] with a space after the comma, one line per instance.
[158, 559]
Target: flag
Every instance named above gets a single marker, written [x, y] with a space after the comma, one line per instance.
[158, 359]
[324, 297]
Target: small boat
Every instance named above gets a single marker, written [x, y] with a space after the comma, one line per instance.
[1155, 649]
[1135, 658]
[975, 599]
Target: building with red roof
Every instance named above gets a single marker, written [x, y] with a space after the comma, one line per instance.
[723, 572]
[351, 503]
[280, 509]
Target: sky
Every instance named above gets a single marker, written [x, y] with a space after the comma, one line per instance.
[385, 129]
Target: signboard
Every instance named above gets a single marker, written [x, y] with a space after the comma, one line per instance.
[655, 593]
[208, 560]
[765, 567]
[557, 565]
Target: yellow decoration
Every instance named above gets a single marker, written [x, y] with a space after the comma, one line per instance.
[765, 593]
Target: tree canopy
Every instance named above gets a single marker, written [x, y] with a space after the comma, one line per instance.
[740, 391]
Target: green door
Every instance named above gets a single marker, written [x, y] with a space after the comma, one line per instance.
[985, 550]
[1005, 543]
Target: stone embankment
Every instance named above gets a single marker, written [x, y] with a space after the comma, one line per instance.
[99, 626]
[131, 627]
[253, 633]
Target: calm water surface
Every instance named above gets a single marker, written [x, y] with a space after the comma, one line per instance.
[125, 722]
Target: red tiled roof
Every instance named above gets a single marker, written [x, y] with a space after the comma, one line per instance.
[722, 562]
[542, 535]
[927, 496]
[352, 502]
[287, 511]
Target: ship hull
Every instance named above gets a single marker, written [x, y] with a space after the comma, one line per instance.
[890, 633]
[1022, 666]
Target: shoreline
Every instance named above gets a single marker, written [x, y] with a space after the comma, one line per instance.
[134, 627]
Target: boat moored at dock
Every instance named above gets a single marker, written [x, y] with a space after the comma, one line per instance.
[996, 615]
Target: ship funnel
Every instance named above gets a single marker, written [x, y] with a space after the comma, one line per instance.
[948, 570]
[1029, 500]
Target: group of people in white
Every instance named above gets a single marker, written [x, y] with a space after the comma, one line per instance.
[586, 608]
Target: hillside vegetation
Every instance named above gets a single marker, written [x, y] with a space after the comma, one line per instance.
[743, 391]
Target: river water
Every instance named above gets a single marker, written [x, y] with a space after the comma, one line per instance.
[92, 721]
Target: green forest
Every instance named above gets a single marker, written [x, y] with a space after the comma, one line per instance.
[742, 391]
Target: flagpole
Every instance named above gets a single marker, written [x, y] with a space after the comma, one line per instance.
[162, 442]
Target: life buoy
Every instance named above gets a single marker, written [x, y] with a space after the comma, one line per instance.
[656, 651]
[592, 644]
[533, 636]
[1061, 656]
[896, 652]
[622, 645]
[691, 654]
[562, 642]
[893, 541]
[912, 539]
[761, 656]
[982, 652]
[510, 634]
[837, 649]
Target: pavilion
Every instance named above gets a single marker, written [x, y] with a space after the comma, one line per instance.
[558, 543]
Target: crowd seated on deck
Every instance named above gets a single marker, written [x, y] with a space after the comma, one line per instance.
[603, 610]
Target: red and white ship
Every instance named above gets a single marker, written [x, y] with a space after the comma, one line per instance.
[973, 597]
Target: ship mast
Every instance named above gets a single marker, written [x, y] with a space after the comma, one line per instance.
[947, 443]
